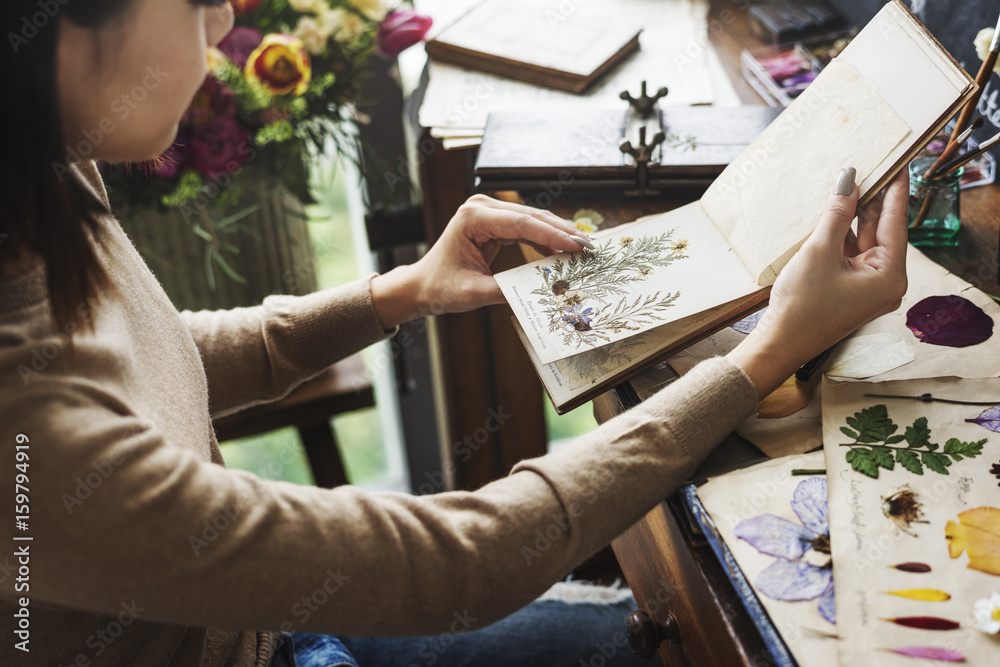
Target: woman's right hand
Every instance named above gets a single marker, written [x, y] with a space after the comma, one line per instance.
[834, 283]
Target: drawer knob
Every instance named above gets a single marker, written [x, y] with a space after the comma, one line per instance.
[645, 635]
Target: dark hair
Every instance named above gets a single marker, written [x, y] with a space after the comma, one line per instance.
[44, 207]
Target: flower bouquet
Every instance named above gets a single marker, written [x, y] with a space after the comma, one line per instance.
[280, 86]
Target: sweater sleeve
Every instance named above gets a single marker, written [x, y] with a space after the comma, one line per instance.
[255, 355]
[120, 514]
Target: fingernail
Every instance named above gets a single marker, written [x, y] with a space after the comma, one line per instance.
[584, 242]
[845, 182]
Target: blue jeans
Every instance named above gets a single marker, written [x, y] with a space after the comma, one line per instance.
[546, 633]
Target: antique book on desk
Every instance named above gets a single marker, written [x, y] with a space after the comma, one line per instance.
[593, 318]
[537, 42]
[579, 150]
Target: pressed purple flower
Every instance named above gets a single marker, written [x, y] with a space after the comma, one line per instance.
[774, 536]
[827, 606]
[578, 316]
[790, 578]
[952, 321]
[988, 419]
[749, 323]
[793, 580]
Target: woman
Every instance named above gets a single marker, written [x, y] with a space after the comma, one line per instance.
[146, 550]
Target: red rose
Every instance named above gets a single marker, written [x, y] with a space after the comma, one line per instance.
[219, 145]
[400, 30]
[240, 43]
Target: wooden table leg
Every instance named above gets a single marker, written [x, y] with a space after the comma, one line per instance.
[327, 465]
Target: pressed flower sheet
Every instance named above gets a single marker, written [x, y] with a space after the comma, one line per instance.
[770, 520]
[924, 510]
[654, 272]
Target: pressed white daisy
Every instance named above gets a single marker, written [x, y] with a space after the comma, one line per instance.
[987, 613]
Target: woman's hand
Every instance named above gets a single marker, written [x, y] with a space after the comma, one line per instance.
[834, 283]
[454, 276]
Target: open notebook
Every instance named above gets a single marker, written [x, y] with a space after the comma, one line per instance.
[592, 318]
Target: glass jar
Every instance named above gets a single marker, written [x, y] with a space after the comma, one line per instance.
[934, 216]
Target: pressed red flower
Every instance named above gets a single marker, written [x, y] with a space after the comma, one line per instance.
[400, 30]
[952, 321]
[280, 64]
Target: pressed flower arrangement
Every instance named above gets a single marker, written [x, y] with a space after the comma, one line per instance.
[280, 86]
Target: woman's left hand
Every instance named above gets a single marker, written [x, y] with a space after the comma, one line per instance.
[454, 276]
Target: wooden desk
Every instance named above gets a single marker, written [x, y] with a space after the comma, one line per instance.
[672, 571]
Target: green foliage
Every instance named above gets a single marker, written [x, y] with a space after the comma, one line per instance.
[873, 425]
[278, 131]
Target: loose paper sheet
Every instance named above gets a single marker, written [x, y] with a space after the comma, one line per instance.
[768, 200]
[648, 275]
[800, 432]
[928, 278]
[761, 489]
[866, 543]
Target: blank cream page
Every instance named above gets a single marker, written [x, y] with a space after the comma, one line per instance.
[768, 201]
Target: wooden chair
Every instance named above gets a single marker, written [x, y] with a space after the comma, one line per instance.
[343, 387]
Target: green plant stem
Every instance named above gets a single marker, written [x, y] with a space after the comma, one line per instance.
[875, 444]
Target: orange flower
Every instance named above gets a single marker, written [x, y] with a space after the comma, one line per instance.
[280, 64]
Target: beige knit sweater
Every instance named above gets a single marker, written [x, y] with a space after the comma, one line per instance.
[147, 551]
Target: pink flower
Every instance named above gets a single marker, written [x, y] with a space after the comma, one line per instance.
[400, 30]
[240, 43]
[221, 145]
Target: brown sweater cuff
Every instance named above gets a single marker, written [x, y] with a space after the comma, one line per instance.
[341, 313]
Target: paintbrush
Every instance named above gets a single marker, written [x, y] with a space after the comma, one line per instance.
[981, 78]
[965, 158]
[953, 145]
[931, 173]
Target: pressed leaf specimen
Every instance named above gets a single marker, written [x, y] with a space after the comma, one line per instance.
[922, 594]
[978, 534]
[918, 568]
[877, 445]
[924, 622]
[929, 653]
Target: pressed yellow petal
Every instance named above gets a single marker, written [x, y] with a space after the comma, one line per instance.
[786, 400]
[923, 594]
